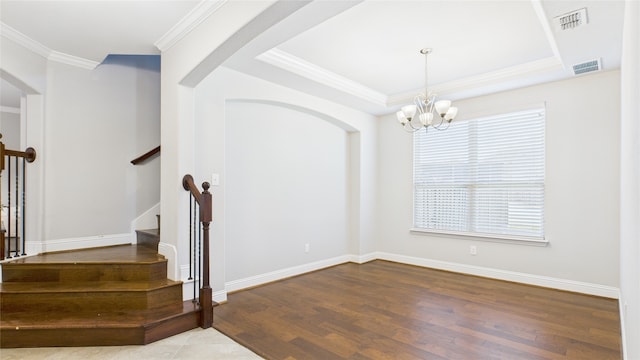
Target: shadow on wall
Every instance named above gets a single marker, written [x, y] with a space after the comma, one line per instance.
[145, 62]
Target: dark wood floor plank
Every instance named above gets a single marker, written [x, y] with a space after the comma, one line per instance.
[385, 310]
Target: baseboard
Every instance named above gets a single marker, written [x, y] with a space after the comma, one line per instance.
[82, 242]
[361, 259]
[170, 252]
[146, 220]
[524, 278]
[623, 332]
[261, 279]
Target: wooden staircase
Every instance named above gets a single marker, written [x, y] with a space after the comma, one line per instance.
[117, 295]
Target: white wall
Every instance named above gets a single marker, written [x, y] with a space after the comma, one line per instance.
[97, 122]
[198, 52]
[10, 129]
[86, 126]
[630, 183]
[269, 144]
[28, 72]
[582, 191]
[286, 186]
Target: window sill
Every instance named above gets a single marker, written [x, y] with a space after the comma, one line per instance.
[508, 239]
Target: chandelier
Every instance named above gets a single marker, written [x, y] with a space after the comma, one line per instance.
[421, 113]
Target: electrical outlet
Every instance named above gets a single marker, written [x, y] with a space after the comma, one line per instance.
[473, 250]
[306, 247]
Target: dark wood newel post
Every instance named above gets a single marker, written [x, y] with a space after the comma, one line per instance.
[206, 301]
[205, 202]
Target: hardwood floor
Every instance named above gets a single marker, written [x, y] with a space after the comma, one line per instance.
[385, 310]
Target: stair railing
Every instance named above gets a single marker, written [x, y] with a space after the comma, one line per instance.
[202, 204]
[144, 157]
[14, 230]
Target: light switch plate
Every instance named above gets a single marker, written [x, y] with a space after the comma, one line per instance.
[215, 179]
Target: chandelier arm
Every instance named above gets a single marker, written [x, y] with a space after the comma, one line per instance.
[410, 129]
[422, 103]
[440, 128]
[411, 125]
[424, 106]
[440, 124]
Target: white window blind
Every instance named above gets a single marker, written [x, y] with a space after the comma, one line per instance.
[482, 177]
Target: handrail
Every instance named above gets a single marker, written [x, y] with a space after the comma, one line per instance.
[142, 158]
[29, 154]
[204, 200]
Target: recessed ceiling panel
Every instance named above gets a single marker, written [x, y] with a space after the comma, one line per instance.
[377, 43]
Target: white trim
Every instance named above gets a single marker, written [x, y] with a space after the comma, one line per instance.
[361, 259]
[38, 48]
[9, 110]
[296, 65]
[83, 242]
[544, 23]
[523, 278]
[72, 60]
[196, 16]
[490, 78]
[621, 315]
[220, 296]
[170, 252]
[33, 248]
[184, 273]
[498, 274]
[507, 239]
[23, 40]
[261, 279]
[146, 220]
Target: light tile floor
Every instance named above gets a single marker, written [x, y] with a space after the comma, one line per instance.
[195, 344]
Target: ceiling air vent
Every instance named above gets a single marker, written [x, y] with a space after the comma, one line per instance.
[571, 20]
[588, 66]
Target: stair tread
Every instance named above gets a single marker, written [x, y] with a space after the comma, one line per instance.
[119, 319]
[112, 254]
[116, 295]
[93, 286]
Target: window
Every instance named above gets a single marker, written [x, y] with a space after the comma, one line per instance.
[482, 177]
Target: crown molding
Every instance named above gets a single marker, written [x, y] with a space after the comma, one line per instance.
[197, 15]
[544, 23]
[318, 74]
[72, 60]
[23, 40]
[27, 42]
[315, 73]
[491, 78]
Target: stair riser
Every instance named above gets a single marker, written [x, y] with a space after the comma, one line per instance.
[99, 336]
[66, 273]
[148, 238]
[116, 295]
[25, 338]
[103, 301]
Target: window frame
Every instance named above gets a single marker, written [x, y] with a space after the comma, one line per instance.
[495, 237]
